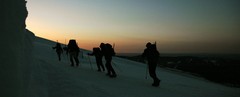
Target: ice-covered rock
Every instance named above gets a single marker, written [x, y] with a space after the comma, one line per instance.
[16, 46]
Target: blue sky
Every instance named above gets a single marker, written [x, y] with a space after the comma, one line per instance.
[178, 26]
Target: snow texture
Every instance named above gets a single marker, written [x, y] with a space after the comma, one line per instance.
[53, 78]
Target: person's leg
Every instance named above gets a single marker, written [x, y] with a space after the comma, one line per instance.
[71, 59]
[98, 64]
[76, 58]
[101, 64]
[108, 69]
[152, 72]
[112, 71]
[59, 56]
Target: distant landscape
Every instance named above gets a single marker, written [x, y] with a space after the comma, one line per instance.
[220, 68]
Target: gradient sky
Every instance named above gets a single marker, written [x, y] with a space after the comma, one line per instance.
[178, 26]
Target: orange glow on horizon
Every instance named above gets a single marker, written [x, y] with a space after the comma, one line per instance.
[176, 28]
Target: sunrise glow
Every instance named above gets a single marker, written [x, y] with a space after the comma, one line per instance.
[184, 26]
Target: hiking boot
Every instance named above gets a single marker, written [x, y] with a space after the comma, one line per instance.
[113, 76]
[156, 83]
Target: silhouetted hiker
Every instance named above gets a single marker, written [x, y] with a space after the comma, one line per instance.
[98, 55]
[152, 56]
[108, 52]
[59, 50]
[73, 51]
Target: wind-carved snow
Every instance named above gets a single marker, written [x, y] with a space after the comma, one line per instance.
[51, 78]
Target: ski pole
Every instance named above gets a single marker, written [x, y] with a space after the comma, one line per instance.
[146, 74]
[81, 54]
[90, 62]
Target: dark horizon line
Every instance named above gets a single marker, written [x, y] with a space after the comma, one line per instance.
[161, 53]
[187, 54]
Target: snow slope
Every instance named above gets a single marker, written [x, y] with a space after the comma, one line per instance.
[51, 78]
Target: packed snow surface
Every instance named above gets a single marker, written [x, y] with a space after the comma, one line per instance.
[53, 78]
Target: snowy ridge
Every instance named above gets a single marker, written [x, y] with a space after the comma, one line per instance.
[51, 78]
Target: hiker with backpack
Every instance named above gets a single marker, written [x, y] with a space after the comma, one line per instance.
[108, 52]
[73, 50]
[59, 50]
[152, 56]
[98, 56]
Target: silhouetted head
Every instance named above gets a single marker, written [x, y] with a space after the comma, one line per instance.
[102, 45]
[148, 44]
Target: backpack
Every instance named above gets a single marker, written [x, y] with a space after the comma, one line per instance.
[72, 46]
[153, 47]
[97, 51]
[151, 52]
[154, 51]
[109, 50]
